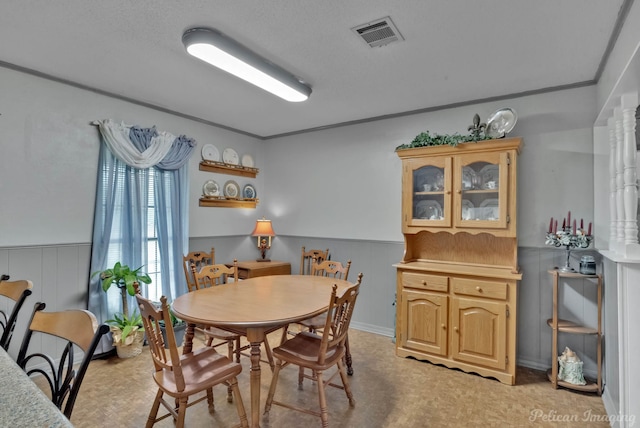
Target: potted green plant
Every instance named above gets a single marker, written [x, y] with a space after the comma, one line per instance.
[126, 331]
[179, 329]
[123, 277]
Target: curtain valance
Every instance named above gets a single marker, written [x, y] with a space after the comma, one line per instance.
[145, 147]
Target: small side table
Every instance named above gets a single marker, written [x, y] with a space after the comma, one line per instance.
[252, 268]
[559, 325]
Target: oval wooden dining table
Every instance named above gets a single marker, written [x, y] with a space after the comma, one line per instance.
[253, 306]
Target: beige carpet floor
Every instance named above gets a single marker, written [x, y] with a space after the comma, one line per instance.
[389, 392]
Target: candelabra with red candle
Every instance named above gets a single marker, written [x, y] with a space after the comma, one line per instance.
[569, 236]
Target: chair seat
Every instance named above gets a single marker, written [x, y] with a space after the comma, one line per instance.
[316, 322]
[303, 350]
[219, 333]
[198, 369]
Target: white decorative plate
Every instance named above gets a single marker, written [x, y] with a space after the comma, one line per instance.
[231, 190]
[211, 188]
[469, 178]
[468, 210]
[247, 161]
[429, 179]
[501, 123]
[490, 174]
[230, 156]
[428, 210]
[489, 209]
[210, 153]
[249, 192]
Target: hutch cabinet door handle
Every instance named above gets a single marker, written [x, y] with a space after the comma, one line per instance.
[444, 327]
[479, 289]
[455, 329]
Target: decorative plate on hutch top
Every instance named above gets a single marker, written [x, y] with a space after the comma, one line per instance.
[231, 190]
[230, 156]
[501, 123]
[210, 153]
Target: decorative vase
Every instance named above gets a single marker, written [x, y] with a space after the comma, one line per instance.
[570, 368]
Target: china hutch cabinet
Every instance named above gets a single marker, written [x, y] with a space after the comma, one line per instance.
[457, 282]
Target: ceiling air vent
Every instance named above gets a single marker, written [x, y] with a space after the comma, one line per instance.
[379, 32]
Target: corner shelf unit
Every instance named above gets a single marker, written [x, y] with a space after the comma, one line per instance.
[225, 168]
[564, 326]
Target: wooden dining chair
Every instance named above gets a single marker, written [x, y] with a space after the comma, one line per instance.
[200, 259]
[333, 269]
[181, 376]
[211, 276]
[306, 259]
[80, 329]
[17, 291]
[328, 268]
[319, 353]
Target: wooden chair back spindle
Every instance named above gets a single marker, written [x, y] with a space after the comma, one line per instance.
[332, 269]
[212, 275]
[199, 259]
[306, 259]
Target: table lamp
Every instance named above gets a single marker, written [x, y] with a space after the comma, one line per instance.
[262, 231]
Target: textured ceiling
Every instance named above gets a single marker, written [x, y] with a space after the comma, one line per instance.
[455, 51]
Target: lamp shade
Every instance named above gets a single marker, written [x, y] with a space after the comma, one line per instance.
[213, 47]
[263, 228]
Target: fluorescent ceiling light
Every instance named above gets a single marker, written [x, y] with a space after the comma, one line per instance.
[215, 48]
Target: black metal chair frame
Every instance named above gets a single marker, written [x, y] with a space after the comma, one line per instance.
[8, 324]
[64, 380]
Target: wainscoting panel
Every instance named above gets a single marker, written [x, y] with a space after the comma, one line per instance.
[60, 276]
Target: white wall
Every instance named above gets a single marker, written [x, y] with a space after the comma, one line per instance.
[339, 187]
[49, 156]
[354, 169]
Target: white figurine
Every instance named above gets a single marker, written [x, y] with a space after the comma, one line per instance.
[570, 368]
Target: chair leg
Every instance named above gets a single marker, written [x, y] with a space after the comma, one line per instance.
[242, 414]
[151, 420]
[267, 350]
[272, 387]
[345, 383]
[210, 403]
[231, 352]
[347, 356]
[238, 352]
[285, 333]
[324, 414]
[182, 412]
[300, 376]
